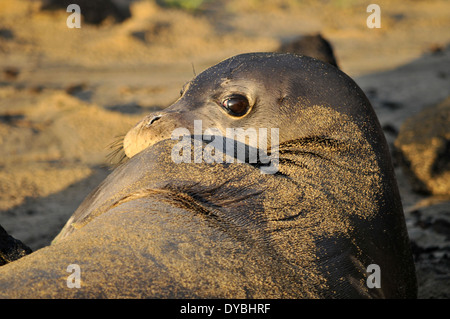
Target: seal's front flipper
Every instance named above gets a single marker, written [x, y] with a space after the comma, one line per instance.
[10, 248]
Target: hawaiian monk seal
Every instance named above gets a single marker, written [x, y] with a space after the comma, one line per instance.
[156, 228]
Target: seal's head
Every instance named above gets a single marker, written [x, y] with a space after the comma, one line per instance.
[255, 90]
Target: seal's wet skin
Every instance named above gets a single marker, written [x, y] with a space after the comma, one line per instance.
[155, 228]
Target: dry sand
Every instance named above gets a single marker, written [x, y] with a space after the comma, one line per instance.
[66, 94]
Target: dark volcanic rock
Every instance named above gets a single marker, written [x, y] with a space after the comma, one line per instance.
[311, 45]
[10, 248]
[423, 149]
[94, 12]
[429, 232]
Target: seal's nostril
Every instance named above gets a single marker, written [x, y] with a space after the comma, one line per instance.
[154, 119]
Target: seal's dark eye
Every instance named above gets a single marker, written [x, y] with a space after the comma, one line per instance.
[236, 105]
